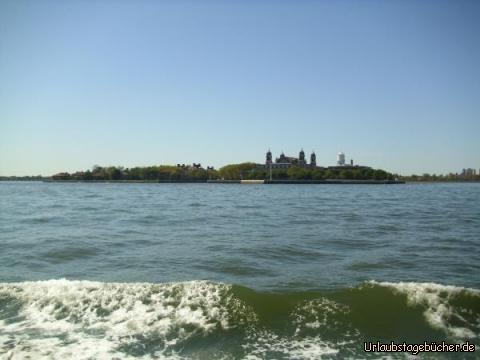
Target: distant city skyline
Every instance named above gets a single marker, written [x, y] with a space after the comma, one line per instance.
[394, 85]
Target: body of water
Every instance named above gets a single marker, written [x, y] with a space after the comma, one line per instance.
[209, 271]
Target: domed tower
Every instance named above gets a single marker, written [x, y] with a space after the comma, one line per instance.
[313, 159]
[268, 157]
[340, 159]
[301, 158]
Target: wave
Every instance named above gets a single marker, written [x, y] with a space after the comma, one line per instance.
[207, 320]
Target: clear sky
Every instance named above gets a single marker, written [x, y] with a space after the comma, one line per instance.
[393, 84]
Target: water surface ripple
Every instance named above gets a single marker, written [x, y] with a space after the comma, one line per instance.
[207, 271]
[264, 237]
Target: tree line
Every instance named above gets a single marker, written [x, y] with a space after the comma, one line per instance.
[249, 171]
[451, 177]
[166, 173]
[242, 171]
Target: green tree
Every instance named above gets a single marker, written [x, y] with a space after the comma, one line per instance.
[236, 171]
[318, 174]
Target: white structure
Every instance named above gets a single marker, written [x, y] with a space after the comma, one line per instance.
[340, 159]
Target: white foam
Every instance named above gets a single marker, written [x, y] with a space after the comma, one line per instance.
[267, 345]
[318, 313]
[437, 300]
[59, 319]
[83, 319]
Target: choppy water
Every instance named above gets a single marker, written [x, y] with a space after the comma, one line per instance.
[209, 271]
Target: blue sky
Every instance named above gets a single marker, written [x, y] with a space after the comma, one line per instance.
[393, 84]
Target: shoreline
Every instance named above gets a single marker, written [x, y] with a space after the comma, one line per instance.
[329, 181]
[248, 182]
[306, 182]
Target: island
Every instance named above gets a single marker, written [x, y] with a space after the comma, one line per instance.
[283, 170]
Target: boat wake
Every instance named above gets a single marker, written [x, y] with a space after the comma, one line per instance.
[204, 320]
